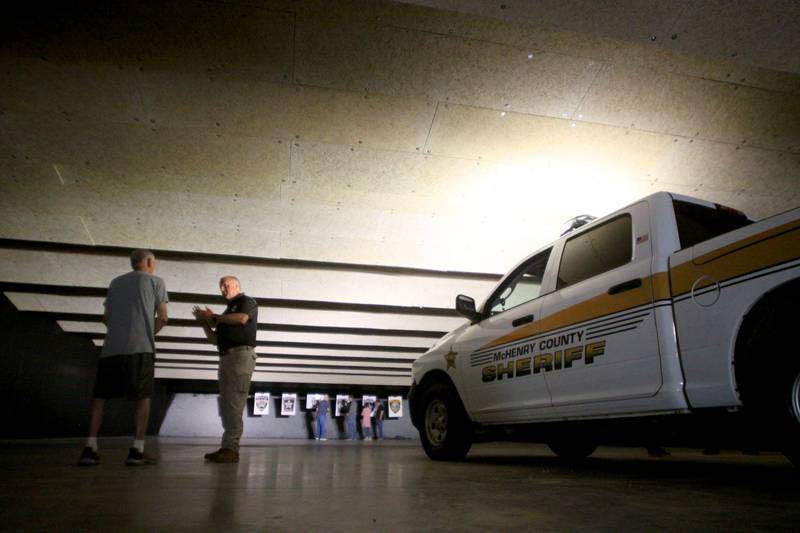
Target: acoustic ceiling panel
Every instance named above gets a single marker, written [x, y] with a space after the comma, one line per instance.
[420, 64]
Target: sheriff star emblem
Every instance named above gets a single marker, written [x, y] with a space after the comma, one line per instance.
[450, 357]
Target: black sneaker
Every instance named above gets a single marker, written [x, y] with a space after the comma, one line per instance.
[88, 457]
[137, 458]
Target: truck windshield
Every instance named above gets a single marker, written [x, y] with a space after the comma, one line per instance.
[698, 223]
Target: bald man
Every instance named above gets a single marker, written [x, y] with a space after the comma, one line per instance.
[234, 333]
[135, 310]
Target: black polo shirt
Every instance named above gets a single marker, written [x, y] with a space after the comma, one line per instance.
[240, 335]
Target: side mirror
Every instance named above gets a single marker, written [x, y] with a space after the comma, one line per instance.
[465, 306]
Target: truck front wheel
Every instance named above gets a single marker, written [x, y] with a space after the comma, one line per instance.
[446, 432]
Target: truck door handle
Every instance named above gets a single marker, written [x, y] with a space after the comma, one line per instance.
[626, 286]
[527, 319]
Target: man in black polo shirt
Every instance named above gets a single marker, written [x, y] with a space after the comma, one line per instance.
[235, 337]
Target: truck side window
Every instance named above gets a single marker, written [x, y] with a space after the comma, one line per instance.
[595, 251]
[522, 286]
[698, 223]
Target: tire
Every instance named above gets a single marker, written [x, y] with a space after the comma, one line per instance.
[770, 386]
[792, 404]
[446, 432]
[771, 389]
[572, 450]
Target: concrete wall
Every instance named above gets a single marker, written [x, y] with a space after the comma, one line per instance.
[197, 415]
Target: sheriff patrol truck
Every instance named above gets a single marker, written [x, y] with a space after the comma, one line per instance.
[670, 318]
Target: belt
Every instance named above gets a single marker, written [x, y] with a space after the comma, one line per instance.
[242, 348]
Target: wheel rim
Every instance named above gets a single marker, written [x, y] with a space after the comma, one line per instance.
[795, 398]
[436, 422]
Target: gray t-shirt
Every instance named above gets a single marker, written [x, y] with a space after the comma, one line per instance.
[131, 305]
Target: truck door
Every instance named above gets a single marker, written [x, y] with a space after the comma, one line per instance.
[495, 356]
[599, 339]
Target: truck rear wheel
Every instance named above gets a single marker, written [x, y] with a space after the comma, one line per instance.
[792, 448]
[769, 373]
[446, 433]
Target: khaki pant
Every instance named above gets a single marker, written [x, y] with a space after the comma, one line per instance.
[236, 367]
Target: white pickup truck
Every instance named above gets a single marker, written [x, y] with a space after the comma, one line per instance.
[672, 317]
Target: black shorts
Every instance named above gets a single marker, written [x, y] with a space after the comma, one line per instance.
[130, 375]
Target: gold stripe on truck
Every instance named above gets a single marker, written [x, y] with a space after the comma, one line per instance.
[751, 254]
[600, 305]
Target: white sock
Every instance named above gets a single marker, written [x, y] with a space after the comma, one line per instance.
[91, 442]
[139, 445]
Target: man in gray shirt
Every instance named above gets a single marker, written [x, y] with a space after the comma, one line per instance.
[135, 310]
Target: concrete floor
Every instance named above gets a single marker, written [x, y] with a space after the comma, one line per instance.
[283, 485]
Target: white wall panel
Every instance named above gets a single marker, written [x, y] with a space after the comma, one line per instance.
[270, 336]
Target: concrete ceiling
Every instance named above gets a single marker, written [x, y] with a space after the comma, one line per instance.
[358, 164]
[760, 33]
